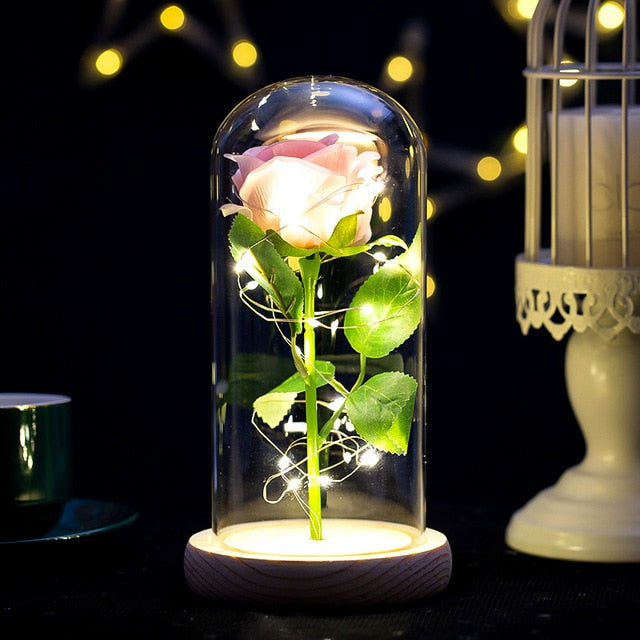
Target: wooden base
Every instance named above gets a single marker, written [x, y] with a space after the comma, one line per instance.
[215, 570]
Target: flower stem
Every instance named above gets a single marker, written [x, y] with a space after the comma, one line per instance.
[328, 425]
[310, 269]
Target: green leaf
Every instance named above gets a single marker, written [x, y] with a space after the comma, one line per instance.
[251, 375]
[274, 407]
[325, 373]
[387, 308]
[344, 252]
[338, 246]
[259, 258]
[381, 410]
[284, 248]
[336, 249]
[389, 241]
[344, 232]
[411, 259]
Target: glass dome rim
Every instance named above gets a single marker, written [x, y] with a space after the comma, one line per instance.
[330, 105]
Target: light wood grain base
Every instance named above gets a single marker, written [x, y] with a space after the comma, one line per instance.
[219, 573]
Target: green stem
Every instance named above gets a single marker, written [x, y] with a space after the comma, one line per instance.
[328, 425]
[310, 269]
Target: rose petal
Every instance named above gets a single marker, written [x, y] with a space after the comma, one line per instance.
[229, 209]
[246, 164]
[291, 149]
[338, 158]
[302, 188]
[366, 166]
[331, 138]
[288, 194]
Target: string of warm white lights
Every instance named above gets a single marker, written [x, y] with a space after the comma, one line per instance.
[350, 453]
[238, 56]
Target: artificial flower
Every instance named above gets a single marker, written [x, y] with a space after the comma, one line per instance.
[303, 188]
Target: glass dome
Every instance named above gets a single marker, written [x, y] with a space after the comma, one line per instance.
[318, 305]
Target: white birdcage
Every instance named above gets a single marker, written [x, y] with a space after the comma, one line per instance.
[579, 273]
[586, 112]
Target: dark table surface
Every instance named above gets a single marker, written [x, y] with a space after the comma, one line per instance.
[129, 582]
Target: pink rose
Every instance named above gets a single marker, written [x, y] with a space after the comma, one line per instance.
[302, 188]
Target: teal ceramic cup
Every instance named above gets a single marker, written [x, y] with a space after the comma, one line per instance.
[35, 462]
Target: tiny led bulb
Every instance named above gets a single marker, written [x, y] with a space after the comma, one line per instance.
[369, 458]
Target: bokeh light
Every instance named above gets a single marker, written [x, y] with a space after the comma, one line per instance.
[399, 68]
[431, 285]
[431, 208]
[489, 168]
[109, 62]
[172, 17]
[522, 9]
[384, 209]
[244, 53]
[568, 66]
[610, 16]
[519, 139]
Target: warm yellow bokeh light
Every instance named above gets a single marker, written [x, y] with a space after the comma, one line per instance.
[244, 53]
[523, 9]
[570, 82]
[431, 285]
[172, 17]
[519, 139]
[610, 16]
[489, 168]
[399, 68]
[384, 209]
[109, 62]
[431, 208]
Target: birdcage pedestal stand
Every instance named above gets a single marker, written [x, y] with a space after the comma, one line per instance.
[593, 512]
